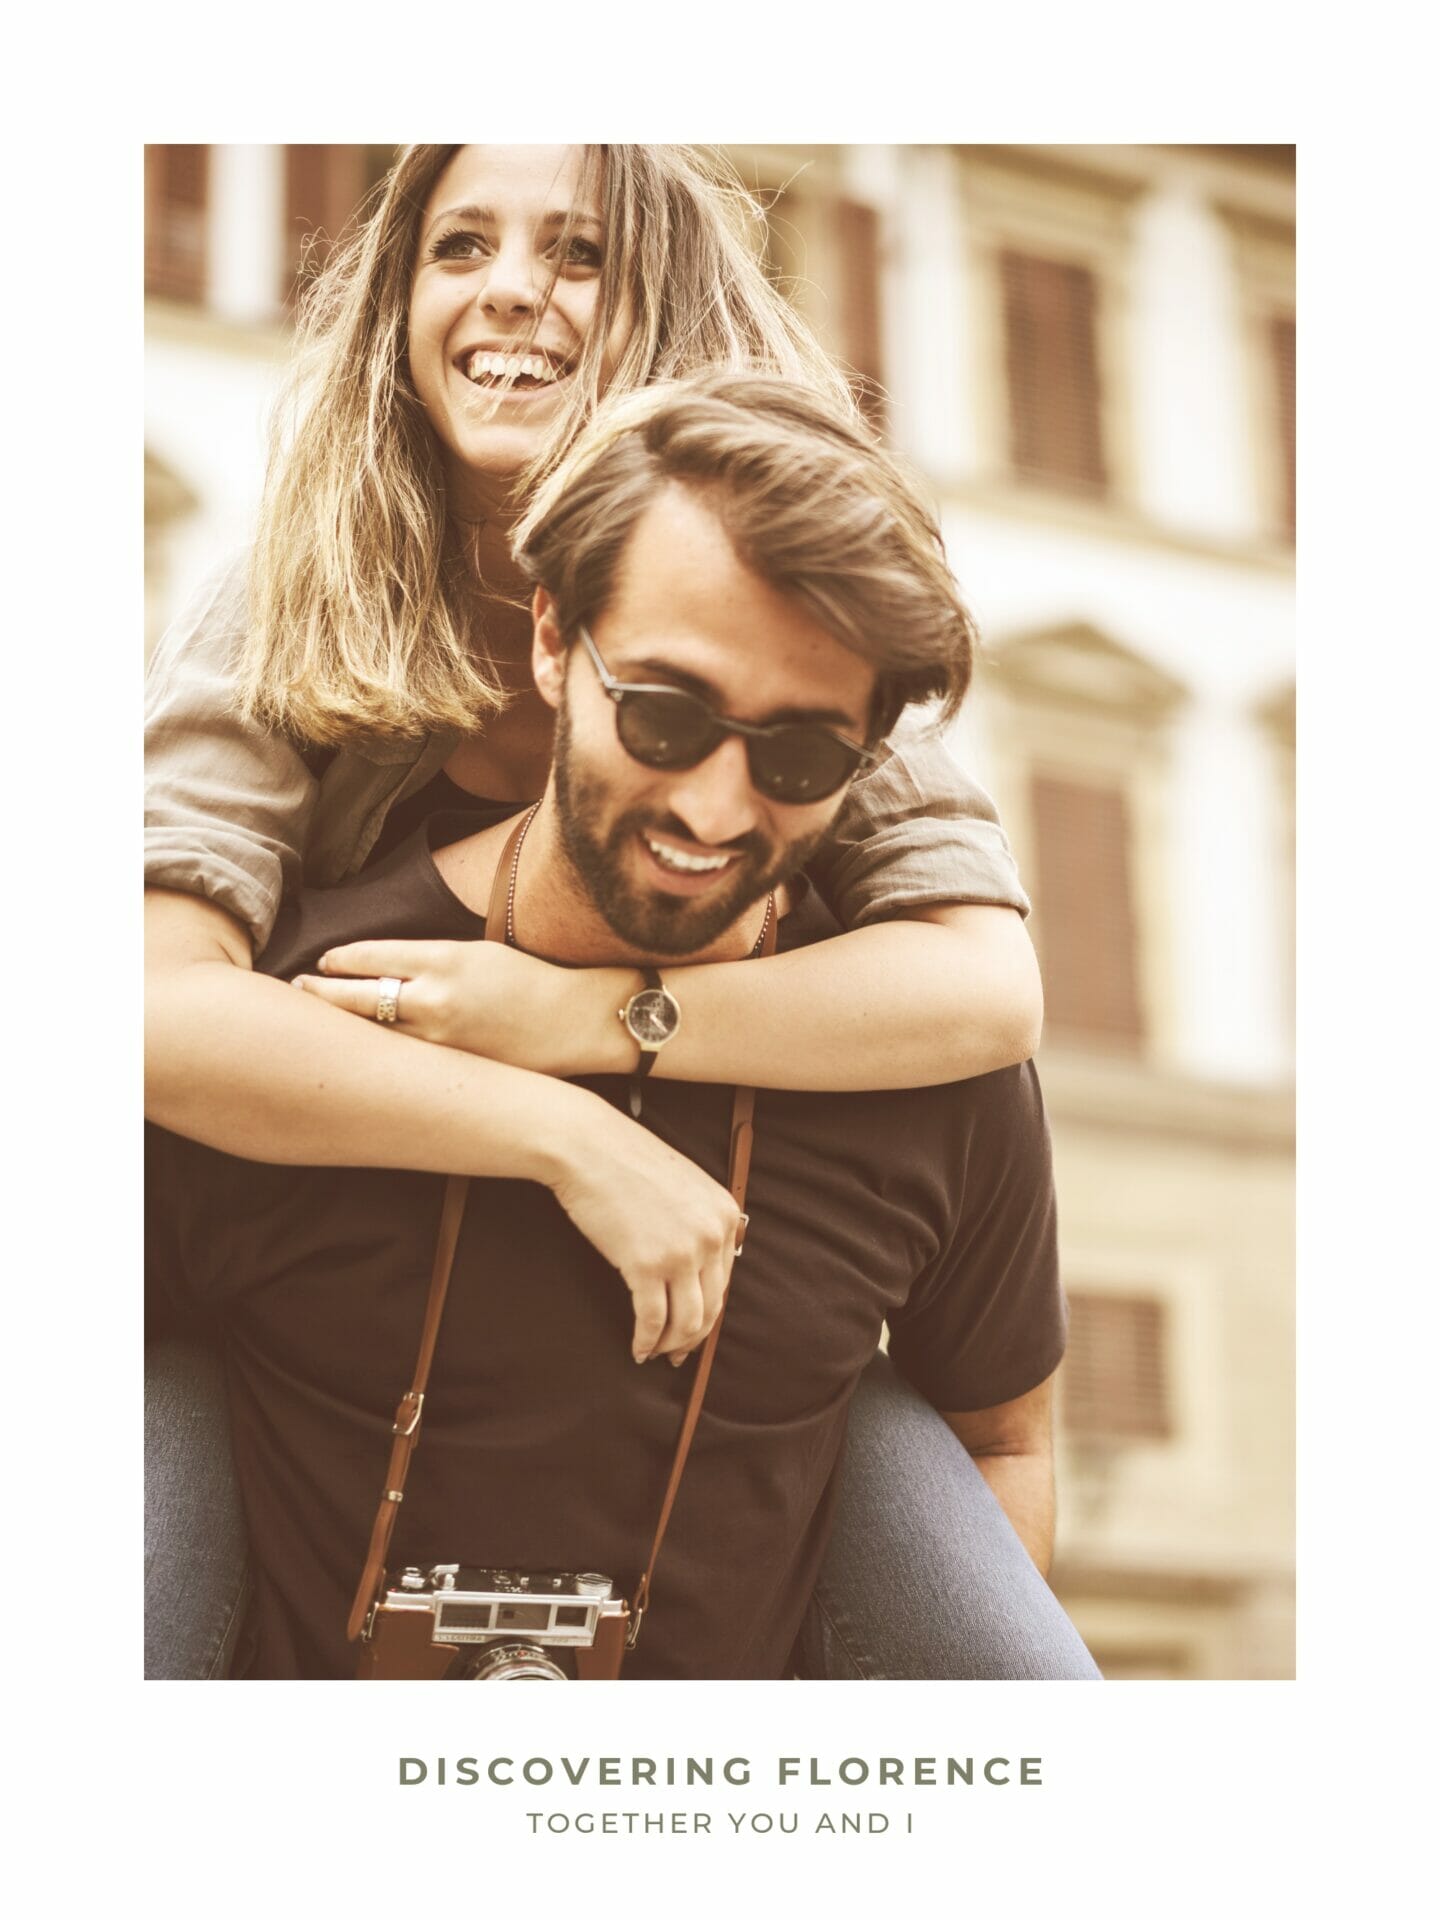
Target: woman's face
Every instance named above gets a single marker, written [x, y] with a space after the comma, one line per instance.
[497, 318]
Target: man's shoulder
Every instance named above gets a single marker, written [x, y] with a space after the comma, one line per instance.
[401, 897]
[808, 921]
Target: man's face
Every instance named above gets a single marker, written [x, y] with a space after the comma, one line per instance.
[671, 858]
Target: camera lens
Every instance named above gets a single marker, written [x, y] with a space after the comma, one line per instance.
[513, 1660]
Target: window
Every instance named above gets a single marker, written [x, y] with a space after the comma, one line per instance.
[1050, 245]
[823, 252]
[1263, 252]
[176, 193]
[1052, 372]
[1282, 355]
[324, 187]
[1085, 911]
[1113, 1383]
[862, 345]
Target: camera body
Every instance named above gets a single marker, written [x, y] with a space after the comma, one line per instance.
[448, 1622]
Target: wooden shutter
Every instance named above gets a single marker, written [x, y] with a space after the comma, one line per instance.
[323, 188]
[1282, 356]
[1086, 919]
[849, 313]
[177, 182]
[863, 347]
[1053, 372]
[1113, 1380]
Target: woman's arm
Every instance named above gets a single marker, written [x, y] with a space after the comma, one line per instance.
[952, 992]
[245, 1064]
[936, 981]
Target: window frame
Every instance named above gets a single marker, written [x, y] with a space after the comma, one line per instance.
[1026, 200]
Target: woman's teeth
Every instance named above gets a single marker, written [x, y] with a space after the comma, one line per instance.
[511, 367]
[679, 862]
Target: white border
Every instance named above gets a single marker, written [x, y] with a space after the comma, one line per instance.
[1178, 1797]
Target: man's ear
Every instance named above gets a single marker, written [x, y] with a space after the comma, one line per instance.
[548, 652]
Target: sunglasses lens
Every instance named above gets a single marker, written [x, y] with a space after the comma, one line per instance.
[795, 765]
[665, 729]
[800, 765]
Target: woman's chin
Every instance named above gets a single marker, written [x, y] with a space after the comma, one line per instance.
[485, 467]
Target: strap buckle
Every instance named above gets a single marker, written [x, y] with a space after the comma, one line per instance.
[413, 1422]
[637, 1611]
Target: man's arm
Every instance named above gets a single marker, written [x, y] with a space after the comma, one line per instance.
[1013, 1447]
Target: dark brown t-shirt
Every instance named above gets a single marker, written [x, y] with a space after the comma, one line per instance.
[544, 1443]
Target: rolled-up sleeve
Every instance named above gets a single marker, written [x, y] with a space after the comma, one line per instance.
[227, 805]
[915, 831]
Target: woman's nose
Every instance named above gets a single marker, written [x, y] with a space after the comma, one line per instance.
[515, 284]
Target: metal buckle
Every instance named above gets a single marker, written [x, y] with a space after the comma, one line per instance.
[405, 1432]
[637, 1612]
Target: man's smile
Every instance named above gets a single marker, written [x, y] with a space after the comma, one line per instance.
[686, 867]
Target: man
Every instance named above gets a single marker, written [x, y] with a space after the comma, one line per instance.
[735, 596]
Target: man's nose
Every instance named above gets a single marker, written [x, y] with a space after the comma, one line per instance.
[715, 800]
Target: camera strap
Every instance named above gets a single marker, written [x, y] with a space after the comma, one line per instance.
[406, 1426]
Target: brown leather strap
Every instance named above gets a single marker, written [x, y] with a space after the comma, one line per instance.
[742, 1138]
[408, 1413]
[412, 1405]
[406, 1428]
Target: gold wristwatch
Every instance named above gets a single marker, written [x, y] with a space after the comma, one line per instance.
[650, 1017]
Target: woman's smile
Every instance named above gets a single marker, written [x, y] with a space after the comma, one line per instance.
[506, 287]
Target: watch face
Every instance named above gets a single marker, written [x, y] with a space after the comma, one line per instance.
[653, 1016]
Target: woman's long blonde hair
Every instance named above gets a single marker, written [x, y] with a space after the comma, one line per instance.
[362, 613]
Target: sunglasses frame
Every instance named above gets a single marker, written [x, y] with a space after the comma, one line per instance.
[748, 730]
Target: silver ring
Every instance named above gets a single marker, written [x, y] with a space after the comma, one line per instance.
[387, 1007]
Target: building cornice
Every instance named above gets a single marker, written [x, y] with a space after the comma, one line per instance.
[1131, 1575]
[1128, 1096]
[175, 322]
[1110, 521]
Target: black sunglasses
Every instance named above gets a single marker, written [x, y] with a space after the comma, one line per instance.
[666, 727]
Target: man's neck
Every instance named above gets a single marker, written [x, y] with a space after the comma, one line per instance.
[555, 917]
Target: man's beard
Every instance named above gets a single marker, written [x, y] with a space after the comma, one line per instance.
[647, 919]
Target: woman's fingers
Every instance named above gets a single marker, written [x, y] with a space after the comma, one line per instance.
[686, 1319]
[355, 996]
[714, 1280]
[400, 959]
[649, 1300]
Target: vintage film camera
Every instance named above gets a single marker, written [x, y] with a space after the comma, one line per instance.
[450, 1622]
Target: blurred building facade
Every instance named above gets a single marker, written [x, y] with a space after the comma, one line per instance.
[1088, 353]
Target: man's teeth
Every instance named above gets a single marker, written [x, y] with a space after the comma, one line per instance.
[511, 366]
[678, 862]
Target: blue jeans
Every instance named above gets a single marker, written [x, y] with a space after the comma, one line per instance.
[196, 1585]
[924, 1578]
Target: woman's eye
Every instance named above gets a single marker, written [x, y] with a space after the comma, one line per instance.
[582, 253]
[457, 245]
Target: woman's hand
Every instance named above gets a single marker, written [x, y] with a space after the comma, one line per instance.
[235, 1060]
[486, 998]
[663, 1223]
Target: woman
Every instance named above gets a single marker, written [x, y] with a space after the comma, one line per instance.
[374, 658]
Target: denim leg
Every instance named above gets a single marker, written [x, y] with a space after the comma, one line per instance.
[924, 1577]
[195, 1548]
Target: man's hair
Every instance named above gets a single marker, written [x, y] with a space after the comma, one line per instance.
[362, 614]
[809, 500]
